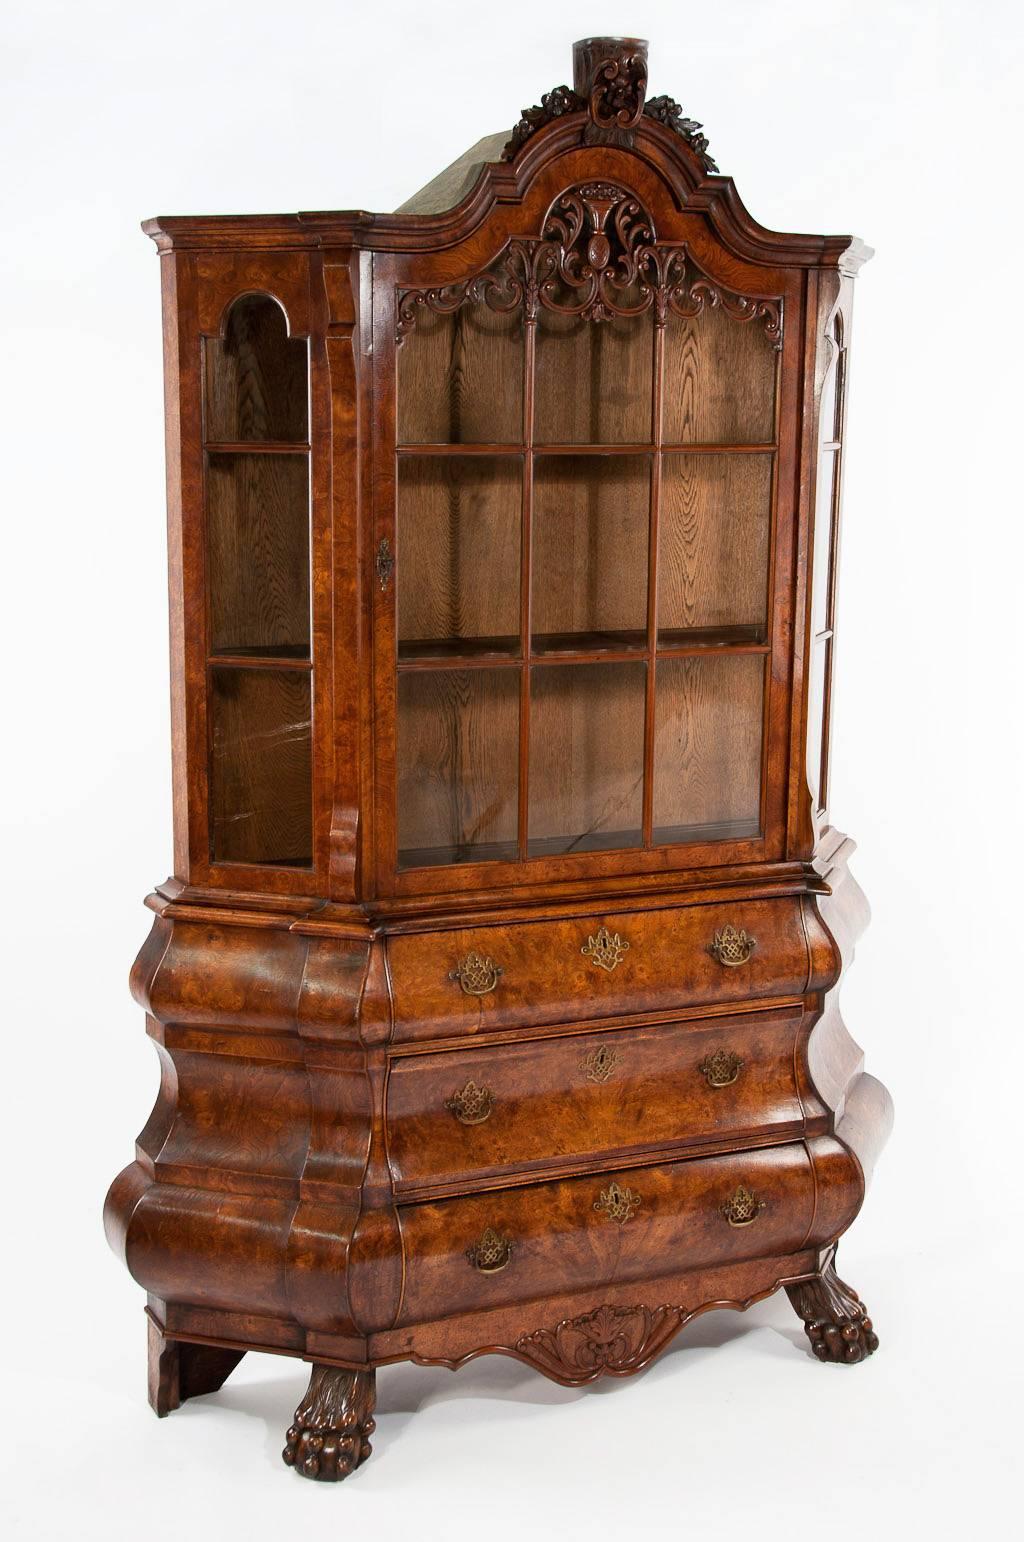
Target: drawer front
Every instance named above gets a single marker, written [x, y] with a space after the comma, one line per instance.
[480, 1112]
[486, 1250]
[482, 978]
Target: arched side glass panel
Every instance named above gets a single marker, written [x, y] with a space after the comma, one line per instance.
[259, 670]
[587, 444]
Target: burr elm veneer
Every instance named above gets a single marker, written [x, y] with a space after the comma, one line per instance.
[495, 989]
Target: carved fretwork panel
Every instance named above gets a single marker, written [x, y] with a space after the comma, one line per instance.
[598, 256]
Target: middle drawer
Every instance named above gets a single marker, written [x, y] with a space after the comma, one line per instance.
[485, 1112]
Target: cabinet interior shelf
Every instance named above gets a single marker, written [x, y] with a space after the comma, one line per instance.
[284, 657]
[255, 447]
[648, 448]
[578, 647]
[592, 841]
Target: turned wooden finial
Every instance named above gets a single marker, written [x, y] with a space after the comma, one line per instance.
[610, 74]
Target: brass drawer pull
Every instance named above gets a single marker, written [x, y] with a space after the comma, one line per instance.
[605, 950]
[721, 1069]
[618, 1204]
[743, 1208]
[732, 947]
[476, 975]
[472, 1105]
[492, 1253]
[600, 1063]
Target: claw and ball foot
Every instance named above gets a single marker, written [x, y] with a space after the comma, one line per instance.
[330, 1434]
[835, 1319]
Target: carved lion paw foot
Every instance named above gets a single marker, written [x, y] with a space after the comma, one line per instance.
[835, 1320]
[330, 1436]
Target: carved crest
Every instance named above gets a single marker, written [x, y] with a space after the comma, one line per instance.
[610, 86]
[598, 257]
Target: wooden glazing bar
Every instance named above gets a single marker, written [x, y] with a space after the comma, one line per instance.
[652, 582]
[526, 584]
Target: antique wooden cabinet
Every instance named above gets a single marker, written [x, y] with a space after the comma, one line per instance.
[495, 989]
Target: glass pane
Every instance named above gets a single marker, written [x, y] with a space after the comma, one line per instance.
[460, 378]
[817, 754]
[458, 766]
[821, 565]
[459, 520]
[593, 380]
[719, 380]
[707, 748]
[586, 757]
[256, 377]
[261, 767]
[258, 554]
[589, 559]
[713, 535]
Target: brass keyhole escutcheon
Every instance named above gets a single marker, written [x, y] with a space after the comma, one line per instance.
[600, 1063]
[492, 1253]
[619, 1204]
[743, 1208]
[472, 1105]
[605, 950]
[477, 975]
[732, 947]
[721, 1069]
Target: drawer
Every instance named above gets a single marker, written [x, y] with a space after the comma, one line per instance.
[482, 978]
[475, 1113]
[487, 1250]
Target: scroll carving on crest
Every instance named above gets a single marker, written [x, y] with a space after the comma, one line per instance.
[598, 257]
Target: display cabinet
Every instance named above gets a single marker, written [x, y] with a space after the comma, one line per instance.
[495, 986]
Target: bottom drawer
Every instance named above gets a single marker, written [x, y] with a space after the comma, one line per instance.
[486, 1250]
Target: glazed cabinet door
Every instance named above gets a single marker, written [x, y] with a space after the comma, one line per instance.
[247, 504]
[578, 502]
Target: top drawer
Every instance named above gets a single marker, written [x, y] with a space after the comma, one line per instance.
[492, 977]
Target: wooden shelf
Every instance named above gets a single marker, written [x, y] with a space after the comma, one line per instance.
[569, 845]
[249, 658]
[254, 447]
[581, 449]
[577, 647]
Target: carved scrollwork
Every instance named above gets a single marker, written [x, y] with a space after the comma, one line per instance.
[617, 92]
[611, 1341]
[598, 257]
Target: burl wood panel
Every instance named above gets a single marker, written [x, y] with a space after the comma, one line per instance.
[547, 977]
[458, 742]
[589, 551]
[593, 384]
[460, 379]
[586, 757]
[261, 766]
[256, 377]
[713, 530]
[458, 534]
[707, 744]
[257, 553]
[587, 1096]
[719, 382]
[562, 1229]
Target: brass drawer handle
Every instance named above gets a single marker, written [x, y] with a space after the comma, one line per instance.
[605, 950]
[600, 1063]
[492, 1253]
[721, 1069]
[743, 1208]
[472, 1105]
[476, 975]
[732, 947]
[618, 1204]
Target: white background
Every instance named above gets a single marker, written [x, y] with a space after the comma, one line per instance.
[897, 121]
